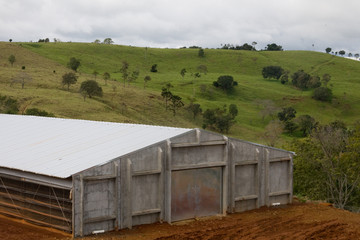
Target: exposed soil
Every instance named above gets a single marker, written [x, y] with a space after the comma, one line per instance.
[296, 221]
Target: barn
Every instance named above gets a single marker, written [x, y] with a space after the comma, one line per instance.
[85, 177]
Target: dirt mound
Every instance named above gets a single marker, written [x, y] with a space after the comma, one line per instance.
[297, 221]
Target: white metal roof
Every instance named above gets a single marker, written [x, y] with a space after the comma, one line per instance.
[62, 147]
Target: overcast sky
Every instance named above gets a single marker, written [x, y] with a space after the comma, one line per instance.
[294, 24]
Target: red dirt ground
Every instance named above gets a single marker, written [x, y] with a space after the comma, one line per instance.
[296, 221]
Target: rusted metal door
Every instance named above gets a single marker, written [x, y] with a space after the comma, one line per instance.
[196, 193]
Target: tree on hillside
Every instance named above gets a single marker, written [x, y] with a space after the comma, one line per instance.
[153, 68]
[124, 71]
[245, 46]
[8, 105]
[201, 53]
[182, 73]
[274, 47]
[306, 124]
[272, 72]
[12, 59]
[10, 40]
[225, 82]
[175, 103]
[166, 94]
[147, 78]
[323, 94]
[219, 119]
[356, 55]
[254, 44]
[22, 77]
[134, 75]
[328, 50]
[342, 52]
[202, 68]
[273, 132]
[195, 109]
[90, 88]
[339, 161]
[326, 79]
[38, 112]
[68, 79]
[74, 63]
[268, 108]
[95, 73]
[108, 41]
[106, 76]
[97, 41]
[300, 79]
[286, 116]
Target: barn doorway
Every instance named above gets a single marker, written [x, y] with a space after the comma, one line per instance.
[196, 193]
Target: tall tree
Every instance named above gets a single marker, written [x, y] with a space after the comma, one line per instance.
[106, 77]
[134, 75]
[166, 94]
[108, 41]
[69, 79]
[195, 109]
[328, 50]
[175, 103]
[12, 59]
[201, 53]
[147, 78]
[74, 63]
[182, 73]
[124, 71]
[225, 82]
[90, 88]
[272, 72]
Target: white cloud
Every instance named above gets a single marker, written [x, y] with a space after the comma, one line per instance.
[295, 24]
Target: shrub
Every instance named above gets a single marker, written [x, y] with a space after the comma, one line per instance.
[153, 68]
[225, 82]
[37, 112]
[90, 88]
[272, 72]
[323, 94]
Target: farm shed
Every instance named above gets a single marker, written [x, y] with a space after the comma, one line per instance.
[86, 176]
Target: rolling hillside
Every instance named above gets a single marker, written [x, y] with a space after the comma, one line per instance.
[46, 63]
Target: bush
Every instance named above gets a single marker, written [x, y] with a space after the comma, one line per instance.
[225, 82]
[8, 105]
[272, 72]
[90, 88]
[74, 63]
[37, 112]
[323, 94]
[153, 68]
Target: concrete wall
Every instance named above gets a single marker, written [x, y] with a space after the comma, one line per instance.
[195, 174]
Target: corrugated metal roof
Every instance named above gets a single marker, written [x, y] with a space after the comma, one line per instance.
[62, 147]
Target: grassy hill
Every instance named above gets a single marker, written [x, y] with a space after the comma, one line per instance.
[46, 63]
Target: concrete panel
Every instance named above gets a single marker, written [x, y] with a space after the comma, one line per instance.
[103, 225]
[196, 155]
[146, 219]
[245, 205]
[145, 192]
[279, 176]
[147, 159]
[189, 137]
[246, 183]
[99, 199]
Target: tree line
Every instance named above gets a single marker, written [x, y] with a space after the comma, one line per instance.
[302, 80]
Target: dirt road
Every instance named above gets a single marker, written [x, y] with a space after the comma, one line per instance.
[297, 221]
